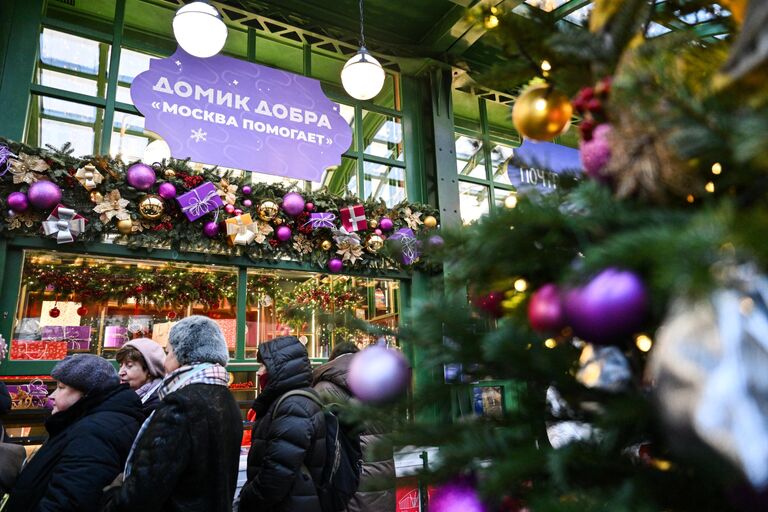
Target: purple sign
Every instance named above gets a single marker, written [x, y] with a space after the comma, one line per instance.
[228, 112]
[543, 162]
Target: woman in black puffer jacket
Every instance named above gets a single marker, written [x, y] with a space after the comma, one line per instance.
[377, 478]
[288, 451]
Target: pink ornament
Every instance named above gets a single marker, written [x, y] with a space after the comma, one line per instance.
[378, 231]
[247, 203]
[211, 229]
[140, 176]
[310, 207]
[293, 203]
[490, 303]
[230, 209]
[457, 496]
[167, 190]
[238, 211]
[335, 265]
[545, 310]
[284, 233]
[386, 224]
[596, 153]
[378, 374]
[18, 202]
[612, 306]
[246, 190]
[44, 195]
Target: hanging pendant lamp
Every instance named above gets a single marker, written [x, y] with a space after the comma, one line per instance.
[199, 29]
[362, 75]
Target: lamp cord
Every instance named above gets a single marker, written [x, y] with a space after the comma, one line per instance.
[362, 35]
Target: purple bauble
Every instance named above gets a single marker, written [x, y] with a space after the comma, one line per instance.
[167, 191]
[545, 310]
[44, 195]
[596, 153]
[611, 306]
[140, 176]
[458, 496]
[378, 374]
[211, 229]
[247, 203]
[246, 190]
[18, 202]
[436, 241]
[310, 207]
[293, 203]
[284, 233]
[386, 224]
[230, 209]
[335, 265]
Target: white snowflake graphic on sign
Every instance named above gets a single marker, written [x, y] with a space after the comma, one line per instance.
[198, 135]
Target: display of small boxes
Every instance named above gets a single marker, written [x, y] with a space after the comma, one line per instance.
[199, 201]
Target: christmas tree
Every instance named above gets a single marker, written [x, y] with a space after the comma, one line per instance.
[626, 309]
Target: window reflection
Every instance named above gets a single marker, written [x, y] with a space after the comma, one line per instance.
[384, 182]
[469, 157]
[473, 201]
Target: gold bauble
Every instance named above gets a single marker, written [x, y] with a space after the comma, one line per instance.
[268, 210]
[373, 223]
[169, 173]
[151, 207]
[374, 243]
[125, 226]
[430, 221]
[542, 113]
[96, 197]
[326, 245]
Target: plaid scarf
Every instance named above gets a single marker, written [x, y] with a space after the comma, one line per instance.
[196, 373]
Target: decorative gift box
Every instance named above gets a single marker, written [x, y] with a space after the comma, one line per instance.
[28, 350]
[229, 329]
[115, 336]
[78, 337]
[52, 333]
[199, 201]
[25, 396]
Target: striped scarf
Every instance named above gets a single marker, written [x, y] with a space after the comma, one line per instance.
[196, 373]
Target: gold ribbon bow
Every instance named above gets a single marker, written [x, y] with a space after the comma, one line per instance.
[241, 230]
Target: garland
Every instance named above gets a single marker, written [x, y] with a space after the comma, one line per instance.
[110, 207]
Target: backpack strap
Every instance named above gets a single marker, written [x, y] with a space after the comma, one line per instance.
[296, 392]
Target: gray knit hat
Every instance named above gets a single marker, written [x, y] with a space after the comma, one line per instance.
[198, 339]
[85, 372]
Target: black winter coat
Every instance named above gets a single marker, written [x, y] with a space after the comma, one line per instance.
[377, 479]
[285, 449]
[86, 449]
[187, 457]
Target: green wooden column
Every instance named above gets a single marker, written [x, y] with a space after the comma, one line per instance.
[18, 42]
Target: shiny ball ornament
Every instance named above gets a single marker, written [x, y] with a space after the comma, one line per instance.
[169, 173]
[373, 223]
[545, 309]
[362, 76]
[199, 29]
[310, 207]
[293, 203]
[335, 265]
[82, 311]
[378, 374]
[326, 245]
[211, 229]
[284, 233]
[246, 190]
[96, 197]
[44, 195]
[374, 243]
[140, 176]
[151, 207]
[596, 153]
[230, 209]
[125, 226]
[542, 113]
[430, 221]
[378, 232]
[268, 210]
[386, 224]
[238, 211]
[609, 308]
[54, 312]
[167, 191]
[247, 203]
[18, 202]
[457, 496]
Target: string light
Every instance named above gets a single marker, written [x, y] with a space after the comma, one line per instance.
[550, 343]
[717, 168]
[643, 343]
[709, 187]
[521, 285]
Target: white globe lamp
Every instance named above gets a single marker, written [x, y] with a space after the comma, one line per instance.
[156, 151]
[199, 29]
[362, 76]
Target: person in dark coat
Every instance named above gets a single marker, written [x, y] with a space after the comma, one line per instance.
[90, 432]
[287, 452]
[186, 455]
[377, 478]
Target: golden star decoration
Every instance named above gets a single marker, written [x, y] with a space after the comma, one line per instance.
[27, 168]
[112, 206]
[350, 252]
[227, 192]
[413, 219]
[302, 245]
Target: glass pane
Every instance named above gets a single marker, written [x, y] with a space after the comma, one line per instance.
[131, 64]
[341, 179]
[466, 110]
[382, 135]
[469, 157]
[128, 137]
[384, 182]
[473, 201]
[500, 155]
[56, 122]
[500, 122]
[70, 303]
[348, 113]
[67, 82]
[72, 63]
[388, 97]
